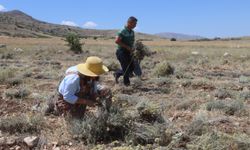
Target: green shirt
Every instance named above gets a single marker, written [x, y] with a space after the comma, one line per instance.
[127, 37]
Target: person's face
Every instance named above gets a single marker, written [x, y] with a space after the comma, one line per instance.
[88, 78]
[131, 24]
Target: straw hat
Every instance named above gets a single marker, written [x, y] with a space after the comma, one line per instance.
[92, 67]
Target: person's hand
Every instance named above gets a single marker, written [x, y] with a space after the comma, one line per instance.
[90, 103]
[131, 49]
[105, 92]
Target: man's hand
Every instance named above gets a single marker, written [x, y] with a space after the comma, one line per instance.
[131, 49]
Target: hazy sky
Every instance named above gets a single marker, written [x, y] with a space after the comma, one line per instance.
[208, 18]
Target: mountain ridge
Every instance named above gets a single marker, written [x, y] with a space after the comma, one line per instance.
[18, 24]
[179, 36]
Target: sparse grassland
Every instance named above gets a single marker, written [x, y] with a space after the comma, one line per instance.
[204, 93]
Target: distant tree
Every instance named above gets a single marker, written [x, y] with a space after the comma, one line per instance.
[74, 42]
[173, 39]
[217, 38]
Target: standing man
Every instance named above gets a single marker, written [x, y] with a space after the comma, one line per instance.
[125, 41]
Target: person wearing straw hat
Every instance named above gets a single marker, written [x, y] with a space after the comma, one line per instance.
[80, 88]
[125, 41]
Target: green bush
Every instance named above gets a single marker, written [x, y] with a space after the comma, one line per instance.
[74, 43]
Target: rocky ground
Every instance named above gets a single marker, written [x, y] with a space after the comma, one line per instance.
[205, 102]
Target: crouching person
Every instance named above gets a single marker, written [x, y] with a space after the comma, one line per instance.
[80, 88]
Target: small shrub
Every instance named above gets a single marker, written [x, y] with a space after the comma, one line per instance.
[74, 43]
[218, 140]
[233, 107]
[112, 65]
[5, 74]
[245, 95]
[14, 81]
[213, 105]
[145, 133]
[22, 92]
[141, 50]
[199, 124]
[187, 104]
[228, 108]
[180, 74]
[222, 94]
[137, 121]
[8, 56]
[22, 124]
[173, 39]
[164, 69]
[203, 83]
[244, 79]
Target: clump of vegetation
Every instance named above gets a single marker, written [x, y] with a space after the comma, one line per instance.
[173, 39]
[22, 124]
[218, 140]
[204, 84]
[244, 79]
[140, 50]
[187, 104]
[222, 94]
[74, 43]
[143, 124]
[181, 74]
[228, 108]
[112, 65]
[7, 56]
[164, 69]
[21, 92]
[199, 125]
[14, 81]
[5, 74]
[245, 95]
[146, 133]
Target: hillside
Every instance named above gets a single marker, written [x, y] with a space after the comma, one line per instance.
[179, 36]
[18, 24]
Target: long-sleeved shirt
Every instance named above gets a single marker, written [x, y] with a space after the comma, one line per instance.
[70, 85]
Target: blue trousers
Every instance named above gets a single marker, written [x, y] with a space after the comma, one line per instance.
[137, 68]
[127, 65]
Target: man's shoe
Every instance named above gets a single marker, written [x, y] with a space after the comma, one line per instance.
[116, 77]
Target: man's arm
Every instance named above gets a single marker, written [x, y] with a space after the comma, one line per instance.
[118, 41]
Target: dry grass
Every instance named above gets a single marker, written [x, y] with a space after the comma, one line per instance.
[25, 123]
[207, 82]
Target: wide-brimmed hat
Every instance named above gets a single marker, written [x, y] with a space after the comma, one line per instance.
[92, 67]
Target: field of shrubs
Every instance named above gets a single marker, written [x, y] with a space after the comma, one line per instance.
[193, 95]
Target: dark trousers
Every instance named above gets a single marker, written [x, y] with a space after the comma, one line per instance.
[127, 65]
